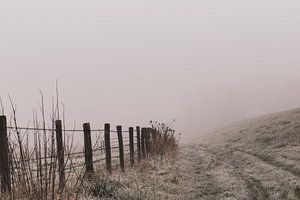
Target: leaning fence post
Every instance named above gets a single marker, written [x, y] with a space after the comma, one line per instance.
[121, 148]
[107, 147]
[4, 162]
[88, 150]
[138, 137]
[143, 142]
[131, 146]
[60, 154]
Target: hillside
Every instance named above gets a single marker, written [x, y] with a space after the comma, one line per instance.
[274, 138]
[253, 159]
[256, 159]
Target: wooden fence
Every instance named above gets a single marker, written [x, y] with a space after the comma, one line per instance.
[139, 148]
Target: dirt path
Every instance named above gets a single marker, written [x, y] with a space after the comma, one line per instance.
[219, 173]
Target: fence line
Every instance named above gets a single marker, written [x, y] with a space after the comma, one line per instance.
[140, 140]
[64, 130]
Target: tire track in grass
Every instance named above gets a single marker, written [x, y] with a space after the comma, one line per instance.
[215, 176]
[196, 165]
[256, 189]
[267, 180]
[272, 162]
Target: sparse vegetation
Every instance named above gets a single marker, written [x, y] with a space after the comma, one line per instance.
[102, 187]
[265, 153]
[297, 192]
[34, 168]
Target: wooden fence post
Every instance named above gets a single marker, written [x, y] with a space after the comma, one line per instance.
[131, 146]
[150, 139]
[4, 158]
[121, 148]
[138, 137]
[88, 150]
[143, 142]
[107, 147]
[154, 141]
[60, 154]
[147, 141]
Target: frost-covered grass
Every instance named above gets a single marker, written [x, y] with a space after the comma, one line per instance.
[150, 180]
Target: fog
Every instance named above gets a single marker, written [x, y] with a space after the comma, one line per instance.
[203, 63]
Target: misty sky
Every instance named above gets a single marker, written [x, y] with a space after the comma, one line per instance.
[205, 63]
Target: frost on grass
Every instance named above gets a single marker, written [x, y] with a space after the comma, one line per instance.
[149, 180]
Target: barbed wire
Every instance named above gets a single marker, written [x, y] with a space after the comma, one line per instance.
[81, 154]
[64, 130]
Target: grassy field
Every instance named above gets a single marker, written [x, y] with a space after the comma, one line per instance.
[256, 159]
[253, 159]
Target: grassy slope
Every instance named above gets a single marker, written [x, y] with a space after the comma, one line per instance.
[253, 159]
[274, 138]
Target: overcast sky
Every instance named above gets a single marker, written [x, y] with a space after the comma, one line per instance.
[205, 63]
